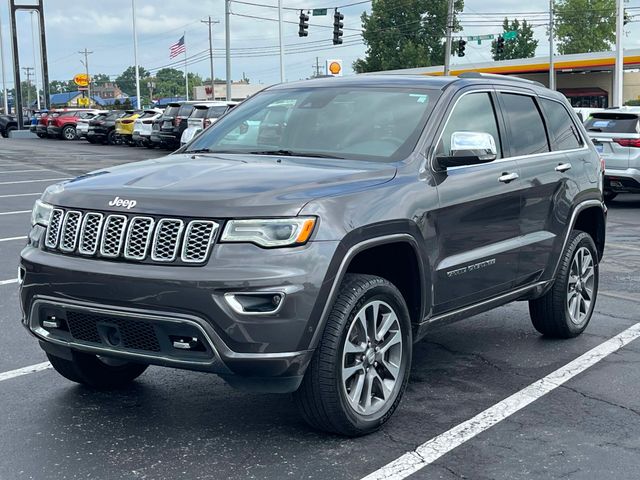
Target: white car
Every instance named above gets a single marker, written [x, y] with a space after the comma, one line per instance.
[204, 114]
[143, 125]
[82, 126]
[584, 113]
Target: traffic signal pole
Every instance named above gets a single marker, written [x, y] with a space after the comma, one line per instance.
[618, 87]
[281, 41]
[447, 49]
[552, 68]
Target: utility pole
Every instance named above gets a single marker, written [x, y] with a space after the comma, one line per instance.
[552, 33]
[27, 71]
[86, 54]
[135, 54]
[213, 83]
[227, 33]
[4, 80]
[280, 35]
[317, 67]
[618, 86]
[447, 50]
[35, 63]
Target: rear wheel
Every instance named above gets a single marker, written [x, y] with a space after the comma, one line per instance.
[111, 137]
[360, 369]
[69, 132]
[566, 309]
[97, 372]
[10, 129]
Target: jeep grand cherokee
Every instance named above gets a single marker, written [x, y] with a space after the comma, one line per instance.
[308, 254]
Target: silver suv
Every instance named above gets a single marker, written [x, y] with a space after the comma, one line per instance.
[616, 134]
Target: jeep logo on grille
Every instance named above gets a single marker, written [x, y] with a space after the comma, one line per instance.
[119, 202]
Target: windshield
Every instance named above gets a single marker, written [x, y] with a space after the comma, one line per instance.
[613, 122]
[359, 123]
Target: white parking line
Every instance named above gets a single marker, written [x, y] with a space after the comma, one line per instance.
[34, 181]
[430, 451]
[7, 282]
[15, 213]
[38, 367]
[10, 239]
[21, 195]
[25, 171]
[623, 247]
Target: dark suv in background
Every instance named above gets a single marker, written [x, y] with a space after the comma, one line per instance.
[311, 258]
[172, 123]
[102, 128]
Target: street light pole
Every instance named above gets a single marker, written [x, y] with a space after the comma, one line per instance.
[227, 34]
[4, 79]
[135, 54]
[447, 48]
[213, 85]
[280, 35]
[35, 63]
[86, 54]
[618, 87]
[552, 67]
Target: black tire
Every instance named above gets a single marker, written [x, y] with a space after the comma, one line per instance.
[10, 129]
[609, 196]
[322, 397]
[150, 145]
[41, 135]
[111, 137]
[91, 371]
[550, 313]
[69, 133]
[91, 140]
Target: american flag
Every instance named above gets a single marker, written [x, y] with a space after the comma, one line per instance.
[177, 48]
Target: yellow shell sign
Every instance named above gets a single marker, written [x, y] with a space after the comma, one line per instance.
[334, 67]
[81, 80]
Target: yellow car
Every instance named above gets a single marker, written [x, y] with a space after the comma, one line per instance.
[124, 127]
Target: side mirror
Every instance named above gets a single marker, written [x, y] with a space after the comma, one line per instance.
[469, 148]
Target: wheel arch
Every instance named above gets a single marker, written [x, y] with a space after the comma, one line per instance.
[592, 220]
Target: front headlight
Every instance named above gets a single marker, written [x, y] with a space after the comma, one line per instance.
[276, 232]
[41, 213]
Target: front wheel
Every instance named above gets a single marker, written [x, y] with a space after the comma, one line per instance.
[69, 132]
[360, 368]
[97, 372]
[566, 309]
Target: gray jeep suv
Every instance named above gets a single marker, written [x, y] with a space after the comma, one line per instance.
[308, 253]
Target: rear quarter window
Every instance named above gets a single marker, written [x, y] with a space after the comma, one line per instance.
[613, 122]
[564, 133]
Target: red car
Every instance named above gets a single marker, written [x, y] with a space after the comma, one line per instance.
[62, 124]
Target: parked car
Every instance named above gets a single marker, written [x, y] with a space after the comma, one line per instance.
[35, 119]
[8, 124]
[385, 206]
[63, 124]
[616, 135]
[584, 113]
[157, 138]
[124, 128]
[174, 122]
[204, 115]
[102, 128]
[82, 126]
[143, 125]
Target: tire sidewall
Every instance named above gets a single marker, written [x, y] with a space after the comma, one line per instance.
[394, 299]
[67, 129]
[582, 240]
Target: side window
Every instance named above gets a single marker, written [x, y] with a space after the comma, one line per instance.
[474, 112]
[528, 135]
[561, 125]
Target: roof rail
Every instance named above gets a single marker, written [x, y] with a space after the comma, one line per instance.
[501, 77]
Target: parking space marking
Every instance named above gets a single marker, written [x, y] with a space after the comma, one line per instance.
[9, 239]
[623, 247]
[25, 171]
[21, 195]
[38, 367]
[34, 181]
[432, 450]
[620, 297]
[15, 213]
[8, 282]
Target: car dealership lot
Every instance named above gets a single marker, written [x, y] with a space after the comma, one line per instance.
[177, 424]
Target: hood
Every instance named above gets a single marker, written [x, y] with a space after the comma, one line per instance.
[218, 186]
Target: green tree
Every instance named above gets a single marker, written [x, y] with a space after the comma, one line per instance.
[169, 83]
[404, 34]
[58, 86]
[584, 26]
[523, 46]
[127, 81]
[100, 78]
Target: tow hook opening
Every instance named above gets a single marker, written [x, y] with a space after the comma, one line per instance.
[192, 344]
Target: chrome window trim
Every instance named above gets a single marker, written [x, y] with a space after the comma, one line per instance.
[46, 238]
[147, 242]
[63, 229]
[104, 232]
[155, 240]
[98, 233]
[214, 230]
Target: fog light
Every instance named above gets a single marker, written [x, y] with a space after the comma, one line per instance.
[186, 343]
[255, 303]
[21, 274]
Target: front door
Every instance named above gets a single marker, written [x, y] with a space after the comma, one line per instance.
[477, 222]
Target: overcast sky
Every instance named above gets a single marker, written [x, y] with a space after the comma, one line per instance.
[106, 29]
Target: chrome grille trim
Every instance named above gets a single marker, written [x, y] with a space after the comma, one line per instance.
[138, 238]
[53, 230]
[167, 240]
[198, 239]
[113, 232]
[70, 230]
[90, 233]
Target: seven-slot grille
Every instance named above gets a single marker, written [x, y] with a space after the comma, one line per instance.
[135, 238]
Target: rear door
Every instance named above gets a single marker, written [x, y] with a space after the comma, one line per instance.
[477, 222]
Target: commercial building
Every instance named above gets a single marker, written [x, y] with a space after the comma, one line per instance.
[239, 91]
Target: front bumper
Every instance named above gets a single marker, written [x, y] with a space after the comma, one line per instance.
[41, 129]
[260, 352]
[621, 181]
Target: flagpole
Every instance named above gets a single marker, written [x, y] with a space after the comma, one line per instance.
[186, 76]
[135, 54]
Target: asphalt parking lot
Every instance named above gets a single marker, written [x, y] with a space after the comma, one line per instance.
[176, 424]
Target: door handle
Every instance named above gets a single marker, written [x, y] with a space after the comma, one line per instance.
[508, 177]
[563, 167]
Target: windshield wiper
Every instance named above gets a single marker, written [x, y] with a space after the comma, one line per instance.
[291, 153]
[208, 150]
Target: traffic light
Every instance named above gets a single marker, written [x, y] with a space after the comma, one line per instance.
[461, 47]
[337, 27]
[500, 44]
[303, 27]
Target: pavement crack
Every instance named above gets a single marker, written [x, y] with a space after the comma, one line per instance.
[602, 400]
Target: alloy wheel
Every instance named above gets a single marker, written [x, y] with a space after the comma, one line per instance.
[580, 287]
